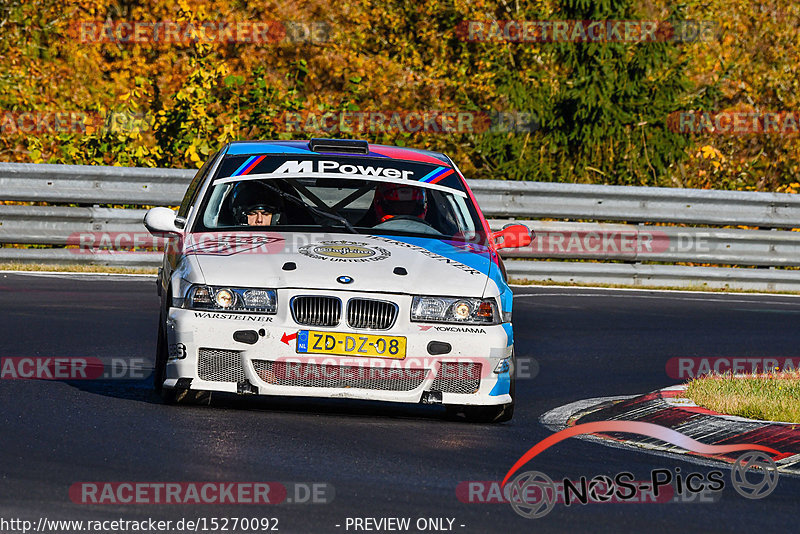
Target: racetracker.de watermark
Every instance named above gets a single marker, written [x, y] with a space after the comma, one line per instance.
[597, 490]
[783, 123]
[587, 31]
[74, 368]
[25, 123]
[210, 493]
[127, 32]
[200, 243]
[353, 369]
[548, 242]
[409, 122]
[579, 240]
[685, 367]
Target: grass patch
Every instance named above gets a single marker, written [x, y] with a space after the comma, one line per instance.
[76, 268]
[770, 397]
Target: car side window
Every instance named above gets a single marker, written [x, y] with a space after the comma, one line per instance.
[194, 187]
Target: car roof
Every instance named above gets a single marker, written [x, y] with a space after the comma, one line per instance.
[302, 147]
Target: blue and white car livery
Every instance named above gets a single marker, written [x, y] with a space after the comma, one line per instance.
[339, 269]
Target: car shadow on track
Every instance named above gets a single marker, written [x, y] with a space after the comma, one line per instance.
[142, 391]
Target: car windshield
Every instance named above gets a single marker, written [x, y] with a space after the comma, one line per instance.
[314, 197]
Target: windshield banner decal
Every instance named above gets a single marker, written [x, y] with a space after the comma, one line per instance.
[262, 167]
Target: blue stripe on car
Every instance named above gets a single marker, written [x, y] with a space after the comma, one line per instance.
[503, 386]
[243, 166]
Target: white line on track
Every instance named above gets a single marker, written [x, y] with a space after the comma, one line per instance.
[648, 290]
[86, 276]
[665, 297]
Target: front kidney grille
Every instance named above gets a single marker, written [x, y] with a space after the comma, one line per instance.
[316, 310]
[367, 313]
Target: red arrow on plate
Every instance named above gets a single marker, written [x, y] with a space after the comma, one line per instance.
[286, 338]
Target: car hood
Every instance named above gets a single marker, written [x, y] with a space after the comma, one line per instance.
[341, 261]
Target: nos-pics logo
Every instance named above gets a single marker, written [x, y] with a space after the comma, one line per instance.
[533, 494]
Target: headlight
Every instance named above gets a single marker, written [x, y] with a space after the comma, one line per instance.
[232, 299]
[454, 310]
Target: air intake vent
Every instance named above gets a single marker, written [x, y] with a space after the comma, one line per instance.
[458, 377]
[312, 375]
[217, 365]
[342, 146]
[316, 311]
[374, 314]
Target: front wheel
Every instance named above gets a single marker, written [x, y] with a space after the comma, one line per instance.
[172, 395]
[168, 395]
[160, 370]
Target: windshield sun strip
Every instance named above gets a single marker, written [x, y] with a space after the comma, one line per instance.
[401, 181]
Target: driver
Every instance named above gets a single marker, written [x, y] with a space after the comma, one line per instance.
[254, 205]
[392, 200]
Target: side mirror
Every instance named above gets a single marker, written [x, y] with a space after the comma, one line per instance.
[513, 236]
[160, 221]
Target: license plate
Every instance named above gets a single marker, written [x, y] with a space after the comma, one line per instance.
[367, 345]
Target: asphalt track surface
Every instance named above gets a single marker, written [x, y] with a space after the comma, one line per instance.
[382, 460]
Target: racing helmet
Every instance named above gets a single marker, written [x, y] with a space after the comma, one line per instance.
[397, 199]
[248, 196]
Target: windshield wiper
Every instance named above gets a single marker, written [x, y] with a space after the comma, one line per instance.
[313, 209]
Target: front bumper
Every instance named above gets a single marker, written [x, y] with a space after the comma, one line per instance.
[203, 355]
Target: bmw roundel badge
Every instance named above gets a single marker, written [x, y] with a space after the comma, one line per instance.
[344, 280]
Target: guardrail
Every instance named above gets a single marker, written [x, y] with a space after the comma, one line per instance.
[89, 184]
[642, 204]
[637, 251]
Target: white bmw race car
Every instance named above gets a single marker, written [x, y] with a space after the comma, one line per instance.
[339, 269]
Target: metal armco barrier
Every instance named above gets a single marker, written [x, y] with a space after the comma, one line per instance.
[52, 225]
[641, 204]
[649, 226]
[89, 184]
[655, 275]
[649, 243]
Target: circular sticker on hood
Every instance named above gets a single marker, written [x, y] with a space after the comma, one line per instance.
[344, 251]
